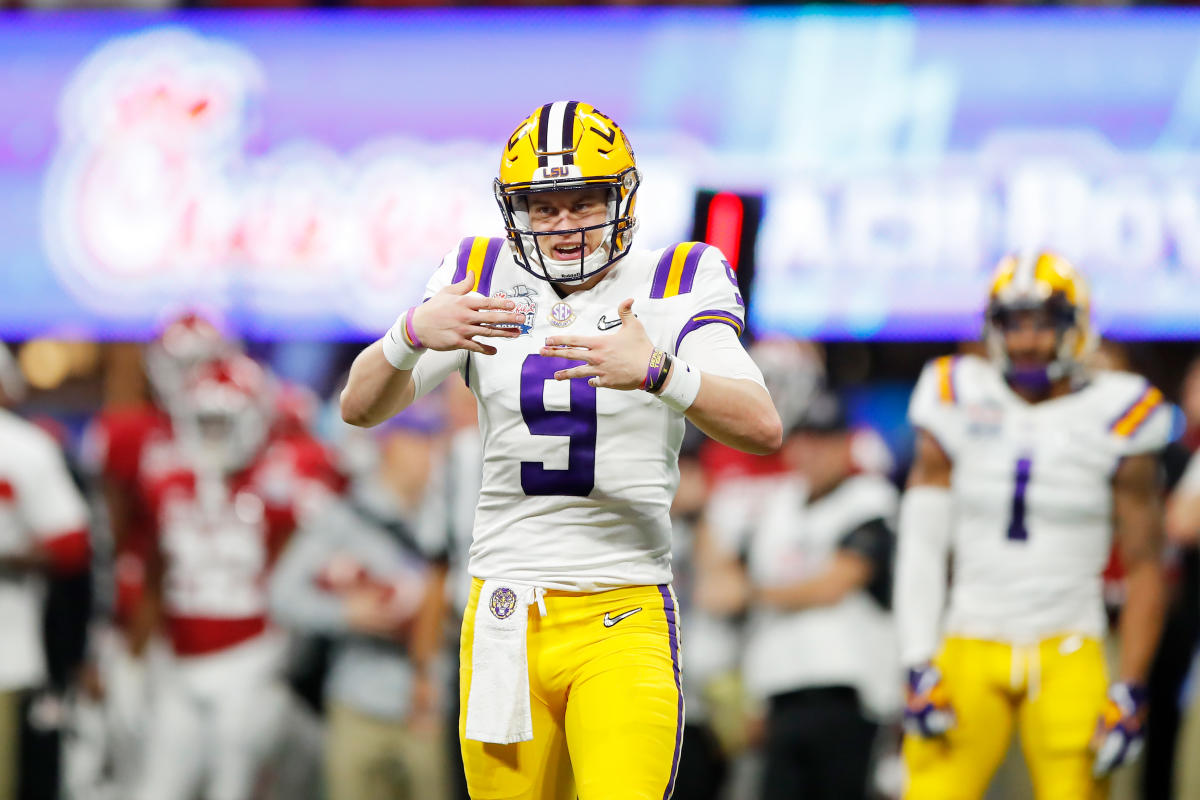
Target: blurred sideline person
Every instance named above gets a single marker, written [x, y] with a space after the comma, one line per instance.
[1027, 466]
[582, 405]
[820, 647]
[369, 573]
[1168, 678]
[223, 507]
[43, 531]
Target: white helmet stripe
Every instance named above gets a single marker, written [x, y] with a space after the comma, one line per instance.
[1024, 272]
[554, 133]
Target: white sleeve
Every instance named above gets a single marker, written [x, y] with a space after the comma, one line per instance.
[434, 367]
[1147, 422]
[48, 501]
[715, 349]
[919, 593]
[933, 406]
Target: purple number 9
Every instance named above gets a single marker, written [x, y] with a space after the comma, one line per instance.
[1016, 524]
[578, 425]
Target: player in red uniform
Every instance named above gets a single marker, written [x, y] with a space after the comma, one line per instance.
[223, 506]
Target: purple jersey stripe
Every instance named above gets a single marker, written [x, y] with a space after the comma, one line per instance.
[689, 268]
[673, 634]
[661, 273]
[489, 266]
[707, 318]
[1141, 398]
[464, 258]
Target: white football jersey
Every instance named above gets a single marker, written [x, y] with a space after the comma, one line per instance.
[38, 503]
[1032, 488]
[578, 481]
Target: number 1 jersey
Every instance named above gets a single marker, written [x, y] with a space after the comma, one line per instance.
[1032, 487]
[577, 480]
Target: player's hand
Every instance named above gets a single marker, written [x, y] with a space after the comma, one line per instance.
[927, 712]
[449, 319]
[616, 361]
[1119, 732]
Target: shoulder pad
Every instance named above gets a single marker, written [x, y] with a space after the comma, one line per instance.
[676, 270]
[946, 370]
[1138, 407]
[478, 255]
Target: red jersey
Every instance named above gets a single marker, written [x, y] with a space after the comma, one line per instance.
[113, 448]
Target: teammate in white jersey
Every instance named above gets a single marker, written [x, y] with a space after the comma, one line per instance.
[1027, 466]
[599, 353]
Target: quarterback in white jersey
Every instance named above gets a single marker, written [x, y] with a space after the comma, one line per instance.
[600, 352]
[1027, 467]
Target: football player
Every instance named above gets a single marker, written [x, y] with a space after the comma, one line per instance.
[1027, 466]
[223, 506]
[581, 405]
[43, 532]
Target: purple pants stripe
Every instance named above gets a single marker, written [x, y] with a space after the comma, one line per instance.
[673, 633]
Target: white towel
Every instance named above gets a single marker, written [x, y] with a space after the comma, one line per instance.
[498, 703]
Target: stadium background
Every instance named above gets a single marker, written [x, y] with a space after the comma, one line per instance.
[296, 173]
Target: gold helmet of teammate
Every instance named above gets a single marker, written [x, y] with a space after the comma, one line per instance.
[1039, 282]
[561, 146]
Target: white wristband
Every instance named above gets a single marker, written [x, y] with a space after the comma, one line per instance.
[682, 387]
[396, 349]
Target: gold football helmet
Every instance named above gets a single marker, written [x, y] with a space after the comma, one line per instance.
[1040, 281]
[568, 145]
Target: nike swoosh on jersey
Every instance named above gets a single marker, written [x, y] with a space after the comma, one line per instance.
[610, 621]
[606, 324]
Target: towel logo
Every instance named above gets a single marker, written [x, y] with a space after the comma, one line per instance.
[503, 602]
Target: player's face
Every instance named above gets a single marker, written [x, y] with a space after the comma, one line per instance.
[573, 208]
[1031, 338]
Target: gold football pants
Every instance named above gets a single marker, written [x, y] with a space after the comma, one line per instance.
[1053, 691]
[605, 695]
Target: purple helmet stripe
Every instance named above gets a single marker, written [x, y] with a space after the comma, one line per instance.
[661, 273]
[708, 318]
[464, 258]
[689, 268]
[568, 131]
[543, 129]
[489, 266]
[673, 635]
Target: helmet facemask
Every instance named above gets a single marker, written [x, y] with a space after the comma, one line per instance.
[1063, 315]
[617, 229]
